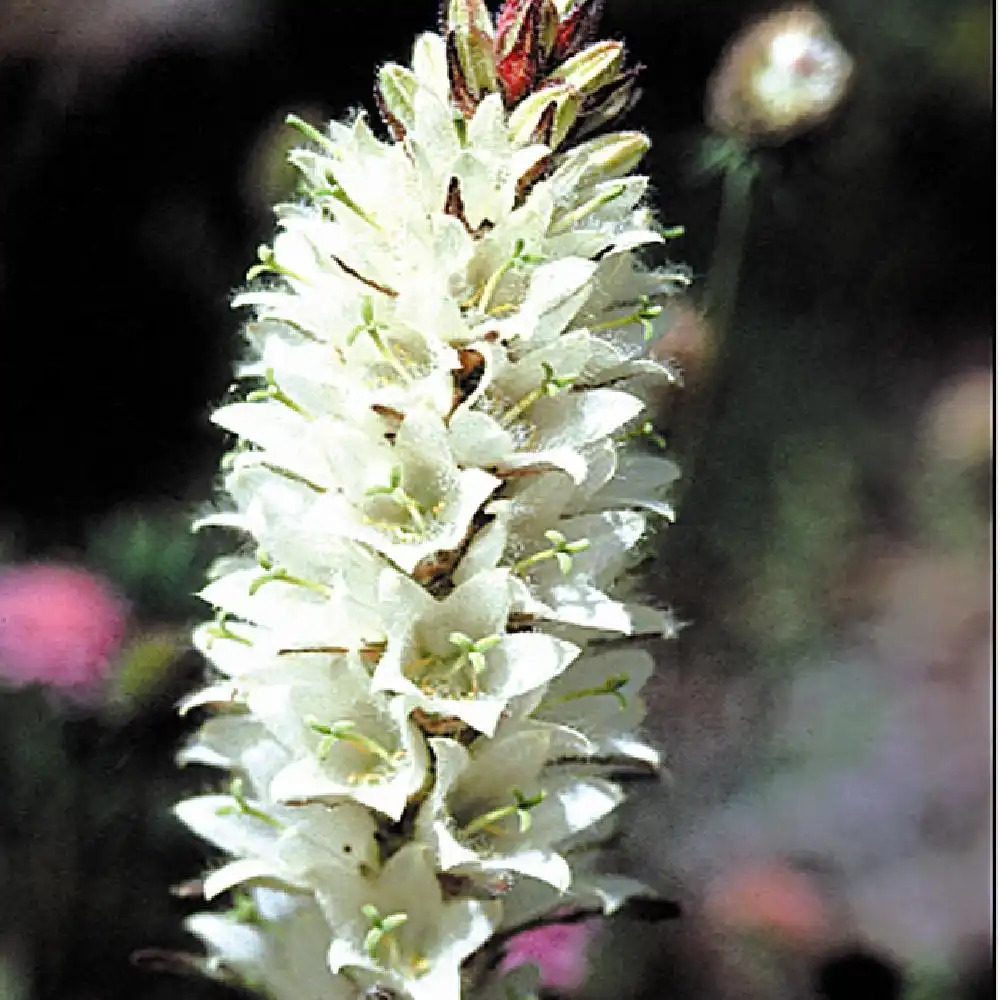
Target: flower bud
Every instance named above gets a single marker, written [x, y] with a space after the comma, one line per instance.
[468, 16]
[469, 33]
[397, 88]
[576, 26]
[781, 76]
[591, 69]
[610, 156]
[596, 73]
[526, 34]
[528, 119]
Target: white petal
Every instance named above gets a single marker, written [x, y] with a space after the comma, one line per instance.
[255, 870]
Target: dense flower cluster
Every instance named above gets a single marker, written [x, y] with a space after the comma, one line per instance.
[440, 479]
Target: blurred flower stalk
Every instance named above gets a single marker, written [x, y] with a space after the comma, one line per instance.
[782, 75]
[444, 468]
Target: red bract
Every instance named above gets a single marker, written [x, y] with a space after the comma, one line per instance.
[59, 626]
[577, 29]
[520, 64]
[531, 39]
[509, 13]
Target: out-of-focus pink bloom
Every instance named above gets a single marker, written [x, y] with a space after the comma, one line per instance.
[559, 951]
[773, 899]
[59, 626]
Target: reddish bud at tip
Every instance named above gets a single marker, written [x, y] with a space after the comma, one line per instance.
[577, 29]
[519, 63]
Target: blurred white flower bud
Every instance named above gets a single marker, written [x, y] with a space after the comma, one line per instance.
[781, 76]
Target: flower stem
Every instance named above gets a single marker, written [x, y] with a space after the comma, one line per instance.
[722, 285]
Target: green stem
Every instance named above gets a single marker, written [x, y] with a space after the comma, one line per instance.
[722, 285]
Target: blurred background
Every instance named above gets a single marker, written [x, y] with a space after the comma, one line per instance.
[826, 718]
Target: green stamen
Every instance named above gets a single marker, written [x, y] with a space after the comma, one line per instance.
[437, 675]
[521, 808]
[568, 221]
[381, 933]
[312, 133]
[269, 264]
[279, 575]
[518, 256]
[293, 477]
[242, 807]
[273, 391]
[244, 910]
[221, 630]
[373, 328]
[394, 491]
[562, 551]
[473, 653]
[646, 430]
[644, 316]
[336, 192]
[345, 730]
[612, 686]
[551, 385]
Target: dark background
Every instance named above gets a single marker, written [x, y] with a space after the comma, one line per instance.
[139, 149]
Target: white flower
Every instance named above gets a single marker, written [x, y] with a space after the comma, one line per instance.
[273, 842]
[434, 489]
[562, 563]
[524, 415]
[455, 657]
[276, 942]
[343, 740]
[596, 707]
[399, 927]
[494, 810]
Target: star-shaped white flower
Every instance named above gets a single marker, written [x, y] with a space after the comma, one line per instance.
[345, 742]
[526, 416]
[399, 927]
[276, 941]
[280, 845]
[595, 707]
[493, 809]
[455, 657]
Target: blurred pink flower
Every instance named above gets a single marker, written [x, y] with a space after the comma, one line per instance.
[772, 898]
[59, 626]
[559, 951]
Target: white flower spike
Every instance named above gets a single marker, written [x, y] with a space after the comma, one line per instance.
[442, 471]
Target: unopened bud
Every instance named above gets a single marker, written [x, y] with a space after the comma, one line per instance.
[781, 76]
[526, 34]
[397, 88]
[527, 117]
[577, 25]
[610, 156]
[468, 28]
[518, 19]
[466, 15]
[592, 68]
